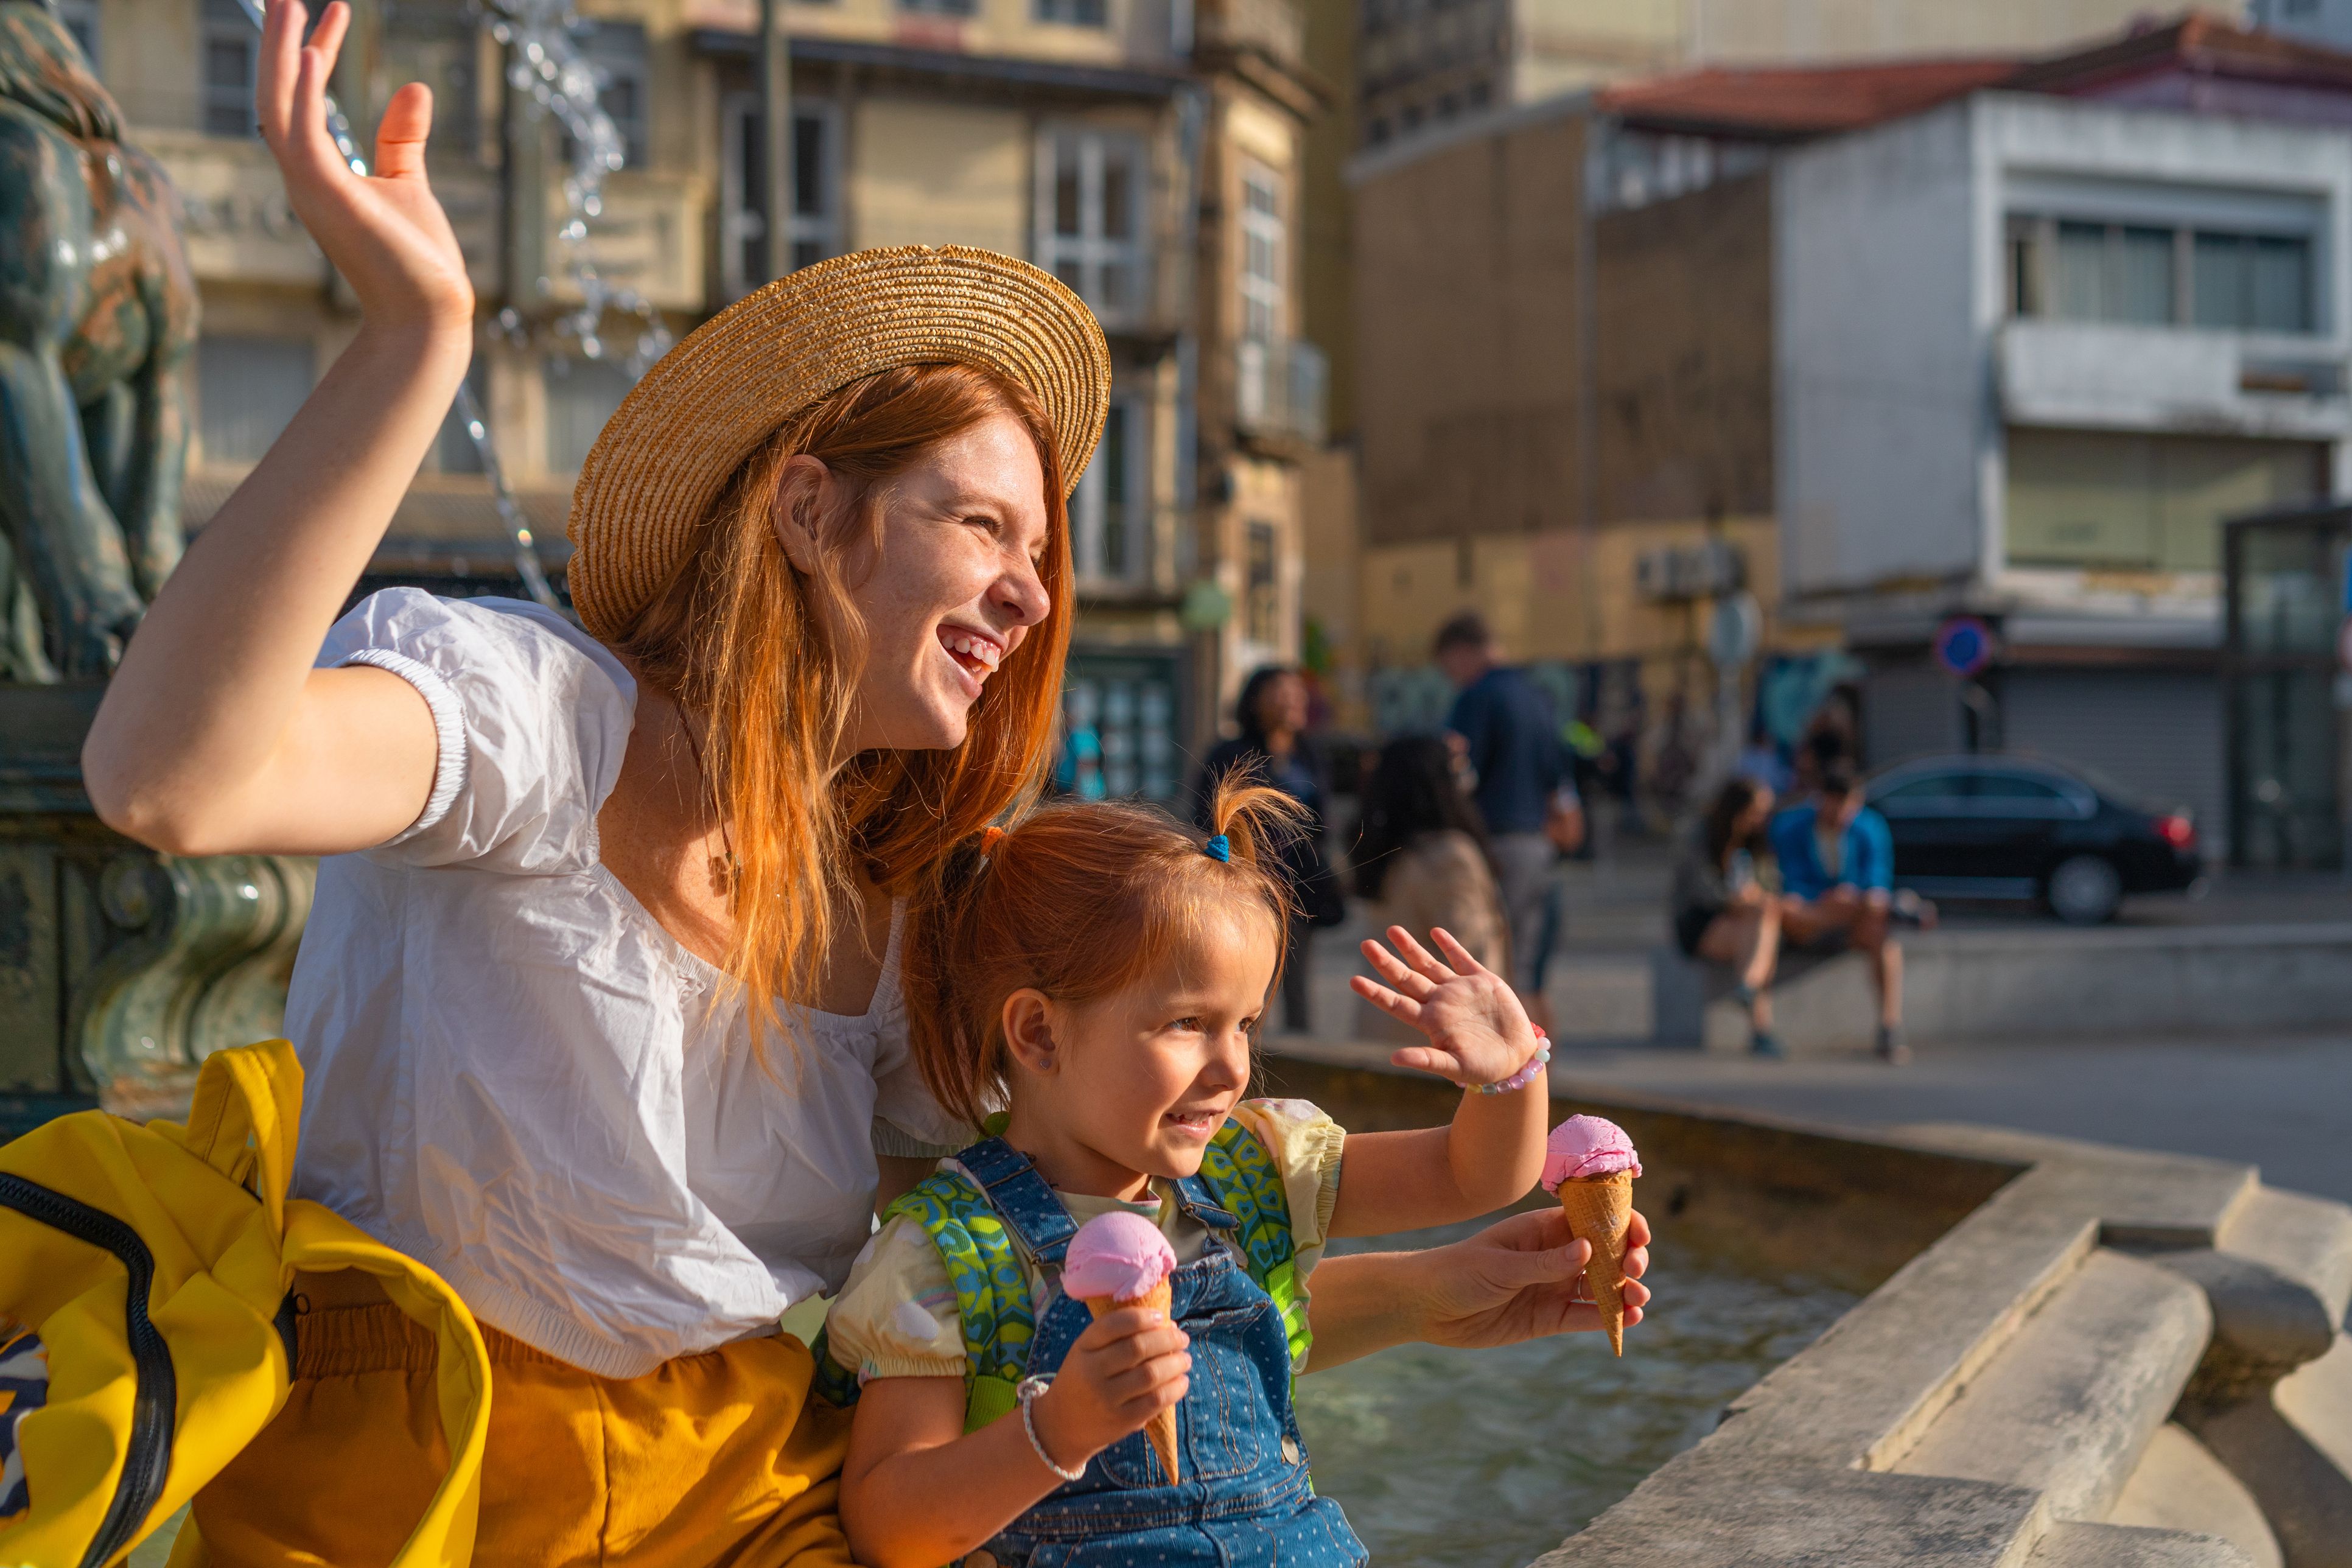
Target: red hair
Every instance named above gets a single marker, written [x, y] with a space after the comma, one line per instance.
[736, 639]
[1078, 902]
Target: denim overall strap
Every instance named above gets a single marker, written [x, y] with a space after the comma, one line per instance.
[1240, 1177]
[1022, 1198]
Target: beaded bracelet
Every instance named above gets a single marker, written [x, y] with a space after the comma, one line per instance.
[1524, 1075]
[1026, 1391]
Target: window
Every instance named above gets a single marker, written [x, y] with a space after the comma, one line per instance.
[1078, 13]
[246, 392]
[1107, 514]
[436, 43]
[2151, 275]
[1090, 196]
[230, 47]
[615, 51]
[581, 395]
[1262, 588]
[2109, 272]
[1262, 259]
[1934, 795]
[2099, 499]
[2254, 282]
[939, 8]
[79, 17]
[817, 202]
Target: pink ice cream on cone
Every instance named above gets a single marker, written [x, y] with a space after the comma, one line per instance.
[1590, 1166]
[1120, 1260]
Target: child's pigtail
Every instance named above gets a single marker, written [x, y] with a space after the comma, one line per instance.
[1258, 823]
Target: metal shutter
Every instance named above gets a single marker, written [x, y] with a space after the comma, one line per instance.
[2157, 732]
[1909, 711]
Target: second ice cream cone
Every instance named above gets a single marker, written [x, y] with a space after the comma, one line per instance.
[1162, 1428]
[1598, 1209]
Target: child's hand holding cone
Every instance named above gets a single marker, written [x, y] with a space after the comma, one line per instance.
[1119, 1261]
[1590, 1166]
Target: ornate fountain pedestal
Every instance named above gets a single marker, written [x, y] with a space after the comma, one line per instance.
[121, 969]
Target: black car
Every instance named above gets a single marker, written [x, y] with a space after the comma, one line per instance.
[1992, 826]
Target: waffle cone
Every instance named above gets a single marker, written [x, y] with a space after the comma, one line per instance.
[1162, 1428]
[1598, 1209]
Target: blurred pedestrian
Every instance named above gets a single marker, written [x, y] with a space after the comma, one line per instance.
[1725, 908]
[1512, 742]
[1837, 875]
[1272, 713]
[1420, 858]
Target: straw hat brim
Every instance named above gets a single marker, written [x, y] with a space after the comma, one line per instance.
[686, 429]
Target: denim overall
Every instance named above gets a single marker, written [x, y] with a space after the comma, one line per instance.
[1244, 1501]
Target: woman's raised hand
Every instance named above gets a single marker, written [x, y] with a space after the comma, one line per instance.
[1478, 1032]
[385, 232]
[1519, 1279]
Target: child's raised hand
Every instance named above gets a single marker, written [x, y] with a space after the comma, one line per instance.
[1478, 1032]
[1126, 1367]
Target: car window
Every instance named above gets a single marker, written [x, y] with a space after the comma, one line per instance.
[2010, 786]
[1919, 791]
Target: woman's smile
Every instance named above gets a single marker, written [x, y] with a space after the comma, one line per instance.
[975, 654]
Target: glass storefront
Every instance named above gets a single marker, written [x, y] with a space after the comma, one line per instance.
[2287, 687]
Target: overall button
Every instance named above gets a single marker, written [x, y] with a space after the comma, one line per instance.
[983, 1558]
[1289, 1449]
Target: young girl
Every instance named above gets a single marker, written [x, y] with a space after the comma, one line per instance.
[1101, 972]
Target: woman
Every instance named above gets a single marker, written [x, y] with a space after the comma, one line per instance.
[1724, 913]
[598, 1006]
[1272, 714]
[1420, 860]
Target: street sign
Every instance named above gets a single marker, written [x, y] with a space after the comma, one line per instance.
[1736, 631]
[1964, 646]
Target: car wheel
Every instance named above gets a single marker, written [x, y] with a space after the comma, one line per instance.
[2084, 890]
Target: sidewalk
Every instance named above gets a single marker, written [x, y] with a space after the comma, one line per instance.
[2276, 1101]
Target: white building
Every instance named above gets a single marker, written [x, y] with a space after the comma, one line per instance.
[2028, 352]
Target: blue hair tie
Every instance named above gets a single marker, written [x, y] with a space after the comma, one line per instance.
[1220, 848]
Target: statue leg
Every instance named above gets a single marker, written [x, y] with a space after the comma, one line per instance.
[158, 463]
[66, 542]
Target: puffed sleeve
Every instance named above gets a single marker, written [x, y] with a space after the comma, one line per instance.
[897, 1315]
[1306, 1145]
[532, 716]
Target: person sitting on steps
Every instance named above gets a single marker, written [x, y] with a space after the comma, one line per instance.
[1837, 872]
[1724, 910]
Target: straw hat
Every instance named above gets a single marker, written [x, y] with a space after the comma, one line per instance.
[710, 402]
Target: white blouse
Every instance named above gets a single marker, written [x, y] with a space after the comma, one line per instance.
[516, 1075]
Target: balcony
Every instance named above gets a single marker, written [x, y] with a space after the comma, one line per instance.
[1280, 390]
[2093, 375]
[1274, 29]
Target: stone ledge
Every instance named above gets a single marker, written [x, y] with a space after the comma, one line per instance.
[2131, 1546]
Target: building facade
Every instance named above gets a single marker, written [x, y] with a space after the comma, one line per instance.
[1147, 152]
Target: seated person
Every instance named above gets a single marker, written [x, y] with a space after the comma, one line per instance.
[1724, 910]
[1837, 873]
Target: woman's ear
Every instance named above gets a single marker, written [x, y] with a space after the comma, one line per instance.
[803, 500]
[1029, 1032]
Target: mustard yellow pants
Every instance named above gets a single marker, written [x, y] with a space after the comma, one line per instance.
[718, 1460]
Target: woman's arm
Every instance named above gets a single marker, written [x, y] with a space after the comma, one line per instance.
[1491, 1154]
[1516, 1279]
[916, 1490]
[215, 734]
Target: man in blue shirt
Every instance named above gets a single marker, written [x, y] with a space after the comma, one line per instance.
[1837, 877]
[1511, 741]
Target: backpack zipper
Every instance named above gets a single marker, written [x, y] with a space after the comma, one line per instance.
[155, 1400]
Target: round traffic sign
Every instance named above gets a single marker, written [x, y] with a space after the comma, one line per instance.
[1964, 644]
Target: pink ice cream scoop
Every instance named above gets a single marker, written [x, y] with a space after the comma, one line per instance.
[1585, 1146]
[1116, 1256]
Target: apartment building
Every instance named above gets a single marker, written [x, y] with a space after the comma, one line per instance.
[1890, 342]
[1147, 152]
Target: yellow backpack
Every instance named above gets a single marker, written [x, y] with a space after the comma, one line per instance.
[154, 1263]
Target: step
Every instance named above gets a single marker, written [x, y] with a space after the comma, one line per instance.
[2123, 1546]
[2068, 1406]
[2179, 1485]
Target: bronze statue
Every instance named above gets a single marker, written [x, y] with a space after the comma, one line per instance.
[98, 318]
